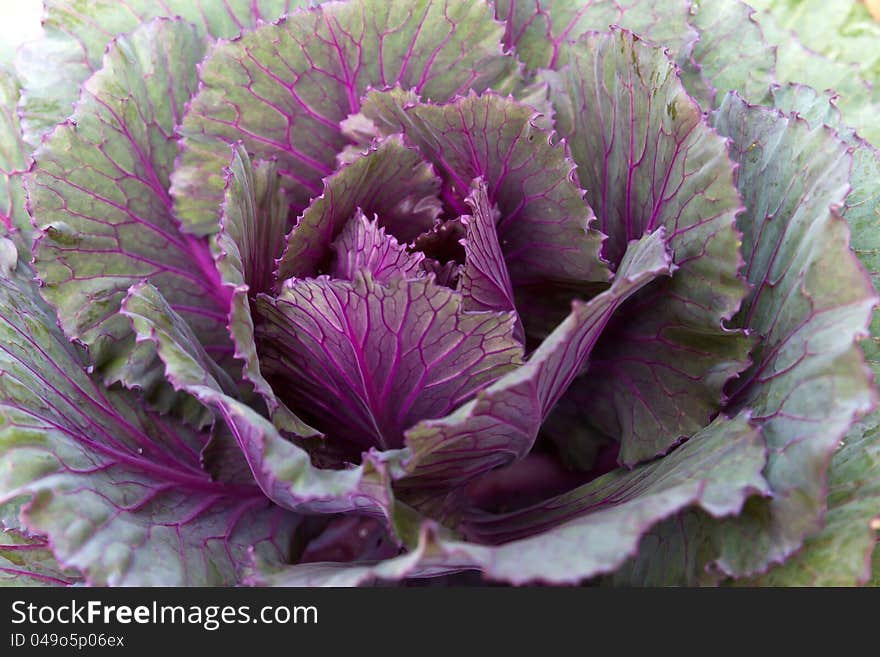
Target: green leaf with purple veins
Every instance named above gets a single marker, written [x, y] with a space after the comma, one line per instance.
[861, 208]
[586, 532]
[731, 54]
[648, 159]
[77, 32]
[332, 55]
[328, 573]
[550, 300]
[30, 562]
[840, 554]
[810, 302]
[540, 30]
[844, 31]
[119, 492]
[25, 558]
[13, 161]
[253, 216]
[99, 202]
[826, 48]
[675, 552]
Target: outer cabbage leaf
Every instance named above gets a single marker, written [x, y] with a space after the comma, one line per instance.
[861, 208]
[76, 33]
[501, 424]
[119, 492]
[679, 551]
[13, 159]
[25, 559]
[810, 302]
[419, 561]
[648, 159]
[797, 61]
[844, 31]
[586, 532]
[814, 106]
[98, 198]
[331, 55]
[10, 510]
[28, 562]
[819, 43]
[368, 360]
[717, 43]
[840, 554]
[539, 29]
[389, 180]
[731, 54]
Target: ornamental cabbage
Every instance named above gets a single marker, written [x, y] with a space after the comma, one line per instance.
[550, 291]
